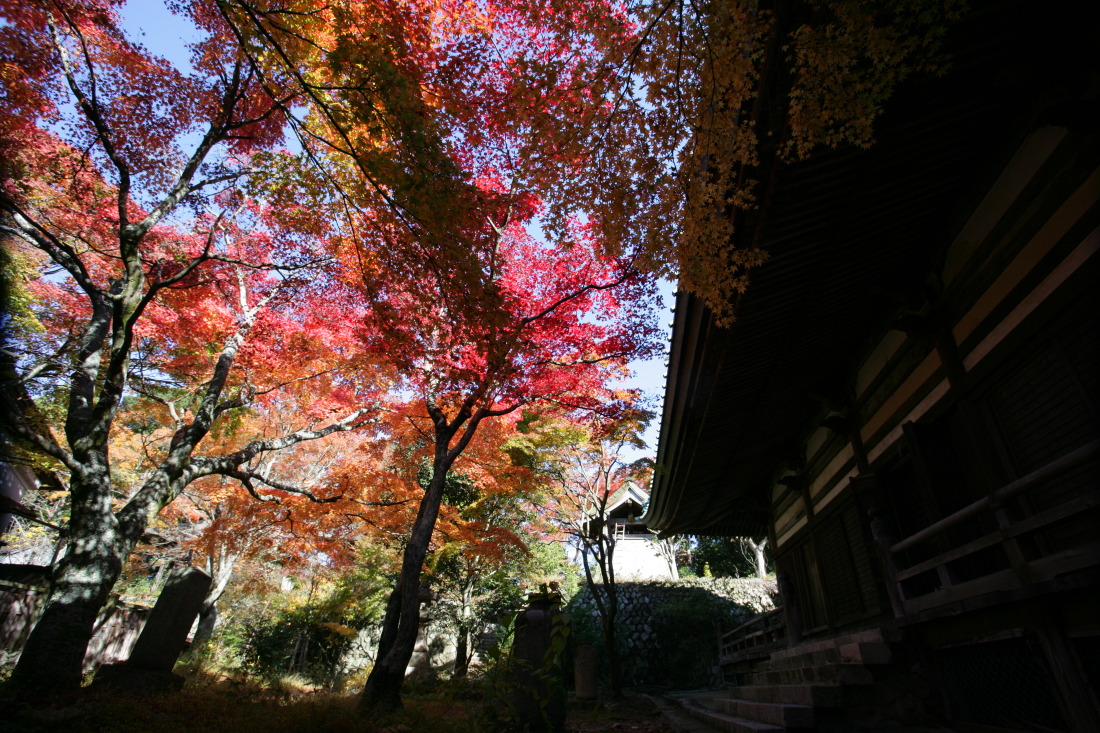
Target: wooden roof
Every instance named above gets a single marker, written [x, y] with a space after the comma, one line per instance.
[629, 492]
[850, 234]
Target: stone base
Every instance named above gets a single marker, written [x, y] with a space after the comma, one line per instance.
[124, 678]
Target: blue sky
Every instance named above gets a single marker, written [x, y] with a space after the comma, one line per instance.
[161, 32]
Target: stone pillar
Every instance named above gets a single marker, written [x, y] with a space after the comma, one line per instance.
[163, 637]
[538, 695]
[585, 671]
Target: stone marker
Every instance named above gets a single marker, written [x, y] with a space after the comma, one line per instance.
[163, 638]
[165, 633]
[538, 695]
[585, 671]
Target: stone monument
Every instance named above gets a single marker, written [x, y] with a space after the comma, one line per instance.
[538, 695]
[162, 639]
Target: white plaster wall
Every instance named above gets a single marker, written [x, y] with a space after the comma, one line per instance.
[637, 558]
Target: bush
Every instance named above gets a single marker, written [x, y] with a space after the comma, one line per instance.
[687, 634]
[294, 642]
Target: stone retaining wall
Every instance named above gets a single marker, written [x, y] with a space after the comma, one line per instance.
[667, 631]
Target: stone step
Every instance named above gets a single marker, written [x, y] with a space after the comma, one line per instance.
[824, 696]
[677, 717]
[725, 722]
[866, 636]
[784, 716]
[817, 658]
[842, 674]
[866, 652]
[860, 652]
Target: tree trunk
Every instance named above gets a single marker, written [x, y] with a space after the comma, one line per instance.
[383, 690]
[759, 557]
[221, 572]
[610, 616]
[52, 660]
[402, 623]
[300, 656]
[462, 651]
[614, 666]
[607, 608]
[158, 581]
[208, 621]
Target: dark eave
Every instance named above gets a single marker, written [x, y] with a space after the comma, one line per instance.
[850, 235]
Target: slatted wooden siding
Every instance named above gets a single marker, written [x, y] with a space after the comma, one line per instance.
[1048, 407]
[835, 564]
[112, 641]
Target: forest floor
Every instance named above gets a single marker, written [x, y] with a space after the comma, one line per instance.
[635, 713]
[225, 705]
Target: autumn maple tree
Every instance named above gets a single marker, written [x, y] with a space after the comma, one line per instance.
[478, 316]
[155, 267]
[487, 540]
[544, 345]
[476, 193]
[298, 513]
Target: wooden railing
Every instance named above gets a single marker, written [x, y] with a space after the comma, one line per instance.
[1021, 571]
[758, 637]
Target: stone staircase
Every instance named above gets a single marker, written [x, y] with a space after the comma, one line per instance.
[809, 687]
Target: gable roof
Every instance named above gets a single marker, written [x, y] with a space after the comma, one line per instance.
[629, 491]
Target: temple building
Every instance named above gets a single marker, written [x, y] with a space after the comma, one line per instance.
[638, 554]
[908, 404]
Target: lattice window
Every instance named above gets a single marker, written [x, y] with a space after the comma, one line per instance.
[1003, 683]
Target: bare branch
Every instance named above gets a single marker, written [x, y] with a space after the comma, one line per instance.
[246, 482]
[90, 107]
[225, 465]
[41, 442]
[246, 478]
[36, 235]
[215, 133]
[573, 296]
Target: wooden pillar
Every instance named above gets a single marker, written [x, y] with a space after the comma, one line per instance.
[884, 540]
[791, 611]
[1079, 700]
